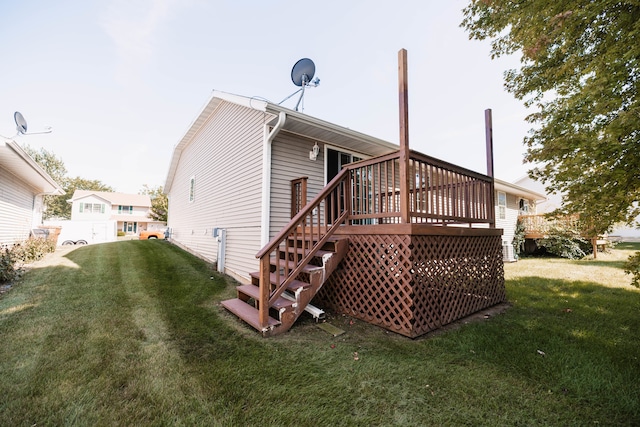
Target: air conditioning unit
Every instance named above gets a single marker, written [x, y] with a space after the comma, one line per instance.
[508, 254]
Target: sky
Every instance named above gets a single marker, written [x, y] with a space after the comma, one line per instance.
[120, 81]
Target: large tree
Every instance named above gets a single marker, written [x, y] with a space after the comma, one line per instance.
[580, 68]
[159, 203]
[57, 206]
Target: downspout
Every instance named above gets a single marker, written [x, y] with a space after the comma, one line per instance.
[266, 176]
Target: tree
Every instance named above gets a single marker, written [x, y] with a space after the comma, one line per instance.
[48, 161]
[580, 68]
[57, 206]
[159, 203]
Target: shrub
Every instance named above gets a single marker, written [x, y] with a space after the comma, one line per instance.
[566, 242]
[632, 266]
[33, 249]
[121, 233]
[9, 270]
[518, 237]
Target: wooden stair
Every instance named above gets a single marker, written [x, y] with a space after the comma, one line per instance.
[287, 308]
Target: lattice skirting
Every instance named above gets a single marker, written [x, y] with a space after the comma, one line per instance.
[413, 284]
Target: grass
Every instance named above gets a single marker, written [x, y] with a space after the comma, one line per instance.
[132, 333]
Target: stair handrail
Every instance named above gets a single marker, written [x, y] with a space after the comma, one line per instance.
[268, 297]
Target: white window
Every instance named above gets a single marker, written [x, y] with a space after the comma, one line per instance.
[92, 208]
[192, 189]
[502, 205]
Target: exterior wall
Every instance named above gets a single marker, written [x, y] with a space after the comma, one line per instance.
[553, 202]
[225, 159]
[17, 209]
[138, 211]
[290, 160]
[508, 224]
[76, 215]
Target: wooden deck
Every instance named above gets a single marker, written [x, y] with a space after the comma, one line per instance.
[422, 247]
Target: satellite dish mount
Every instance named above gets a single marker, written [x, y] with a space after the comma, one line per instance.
[21, 125]
[302, 75]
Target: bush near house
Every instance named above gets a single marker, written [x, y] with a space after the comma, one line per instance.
[12, 259]
[566, 242]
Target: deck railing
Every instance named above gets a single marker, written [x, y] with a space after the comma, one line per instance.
[539, 226]
[440, 193]
[369, 192]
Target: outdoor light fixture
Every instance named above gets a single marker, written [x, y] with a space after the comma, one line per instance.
[313, 154]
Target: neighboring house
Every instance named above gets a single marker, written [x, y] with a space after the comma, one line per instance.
[98, 216]
[294, 206]
[554, 201]
[23, 183]
[130, 211]
[513, 201]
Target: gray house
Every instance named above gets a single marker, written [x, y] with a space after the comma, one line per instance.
[299, 209]
[229, 183]
[23, 183]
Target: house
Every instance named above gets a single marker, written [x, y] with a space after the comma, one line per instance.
[233, 169]
[299, 209]
[554, 201]
[129, 211]
[514, 201]
[98, 216]
[23, 183]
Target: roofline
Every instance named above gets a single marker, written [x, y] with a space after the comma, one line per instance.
[519, 190]
[57, 189]
[259, 104]
[269, 107]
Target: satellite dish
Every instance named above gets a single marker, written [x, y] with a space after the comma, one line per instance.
[302, 72]
[21, 123]
[301, 75]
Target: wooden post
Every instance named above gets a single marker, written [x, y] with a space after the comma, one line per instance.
[265, 290]
[403, 92]
[488, 129]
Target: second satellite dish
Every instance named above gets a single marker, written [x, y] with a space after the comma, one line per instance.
[21, 123]
[302, 72]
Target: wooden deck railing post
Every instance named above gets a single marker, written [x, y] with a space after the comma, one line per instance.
[265, 284]
[491, 209]
[405, 215]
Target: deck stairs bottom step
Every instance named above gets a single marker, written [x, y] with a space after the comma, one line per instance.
[248, 313]
[296, 298]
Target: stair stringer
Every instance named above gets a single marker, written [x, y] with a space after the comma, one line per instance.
[303, 296]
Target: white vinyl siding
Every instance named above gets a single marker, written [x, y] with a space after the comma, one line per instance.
[226, 157]
[16, 209]
[290, 160]
[511, 211]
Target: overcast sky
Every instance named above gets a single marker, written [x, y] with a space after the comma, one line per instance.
[119, 81]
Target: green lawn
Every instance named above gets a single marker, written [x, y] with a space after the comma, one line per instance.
[132, 333]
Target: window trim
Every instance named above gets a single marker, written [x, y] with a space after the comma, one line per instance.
[192, 189]
[502, 208]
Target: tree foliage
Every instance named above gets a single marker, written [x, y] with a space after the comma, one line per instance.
[580, 68]
[57, 206]
[48, 161]
[159, 203]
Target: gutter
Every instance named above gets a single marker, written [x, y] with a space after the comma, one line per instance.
[266, 176]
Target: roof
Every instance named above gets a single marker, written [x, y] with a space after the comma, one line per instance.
[15, 160]
[296, 123]
[122, 199]
[510, 188]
